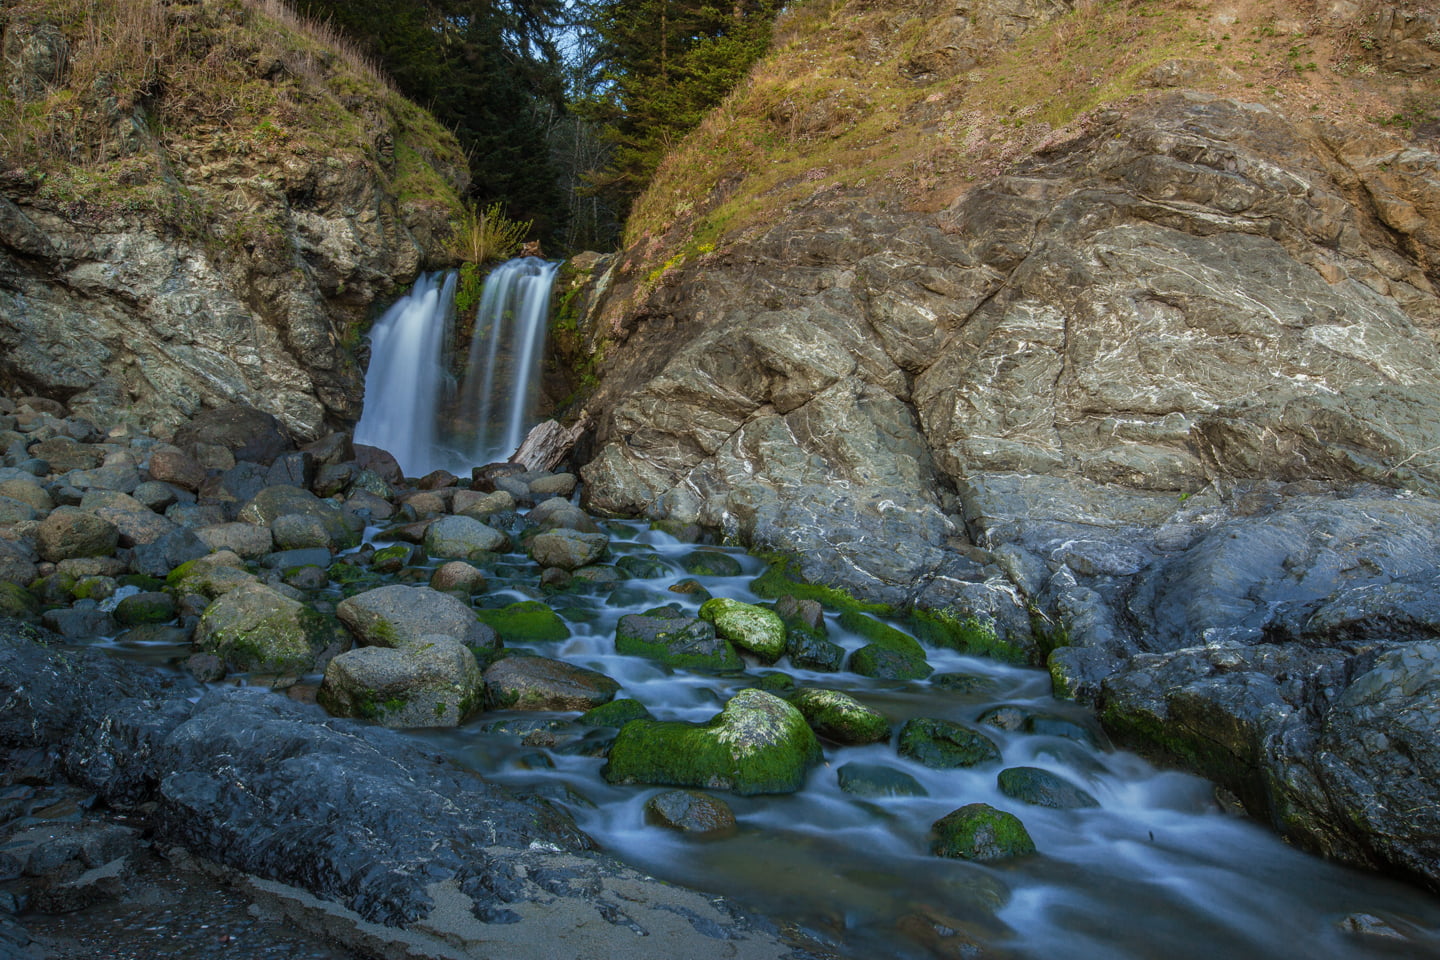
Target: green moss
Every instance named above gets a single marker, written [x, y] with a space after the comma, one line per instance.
[967, 634]
[710, 563]
[669, 637]
[528, 621]
[840, 717]
[750, 627]
[757, 744]
[977, 831]
[616, 714]
[17, 602]
[782, 578]
[944, 744]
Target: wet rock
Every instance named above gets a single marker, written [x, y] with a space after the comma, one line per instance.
[477, 505]
[809, 652]
[399, 615]
[151, 607]
[1042, 788]
[210, 576]
[248, 434]
[256, 628]
[462, 538]
[17, 602]
[890, 654]
[393, 558]
[567, 549]
[840, 717]
[458, 577]
[84, 621]
[805, 613]
[539, 683]
[710, 563]
[432, 682]
[977, 831]
[943, 744]
[690, 811]
[205, 667]
[875, 781]
[616, 713]
[557, 513]
[527, 621]
[747, 626]
[650, 566]
[173, 466]
[72, 532]
[676, 641]
[757, 744]
[245, 539]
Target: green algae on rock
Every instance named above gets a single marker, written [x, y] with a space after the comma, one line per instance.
[434, 682]
[257, 628]
[1042, 788]
[676, 641]
[747, 626]
[840, 717]
[943, 744]
[528, 621]
[977, 831]
[615, 714]
[757, 744]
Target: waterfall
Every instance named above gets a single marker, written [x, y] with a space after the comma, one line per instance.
[410, 405]
[406, 380]
[502, 376]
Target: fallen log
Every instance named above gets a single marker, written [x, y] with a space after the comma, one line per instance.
[549, 443]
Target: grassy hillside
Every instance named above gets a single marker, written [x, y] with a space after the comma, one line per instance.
[904, 100]
[114, 107]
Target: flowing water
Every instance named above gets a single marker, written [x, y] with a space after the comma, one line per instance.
[1157, 871]
[412, 407]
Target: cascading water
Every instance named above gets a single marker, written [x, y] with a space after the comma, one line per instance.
[409, 391]
[407, 375]
[498, 397]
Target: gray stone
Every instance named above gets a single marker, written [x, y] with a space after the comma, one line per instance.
[539, 683]
[433, 682]
[245, 539]
[256, 628]
[400, 615]
[567, 549]
[462, 538]
[72, 532]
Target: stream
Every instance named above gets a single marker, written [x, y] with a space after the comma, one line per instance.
[1160, 870]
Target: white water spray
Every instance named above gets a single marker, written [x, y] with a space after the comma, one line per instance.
[409, 392]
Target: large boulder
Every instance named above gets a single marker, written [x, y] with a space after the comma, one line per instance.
[249, 434]
[399, 615]
[749, 627]
[675, 640]
[71, 532]
[257, 628]
[567, 549]
[540, 683]
[757, 744]
[271, 503]
[433, 682]
[840, 717]
[462, 538]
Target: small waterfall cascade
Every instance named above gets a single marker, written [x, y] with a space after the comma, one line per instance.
[502, 376]
[412, 407]
[406, 381]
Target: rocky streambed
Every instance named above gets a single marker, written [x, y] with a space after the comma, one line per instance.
[209, 639]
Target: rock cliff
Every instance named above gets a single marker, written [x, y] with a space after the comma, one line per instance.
[1108, 328]
[199, 203]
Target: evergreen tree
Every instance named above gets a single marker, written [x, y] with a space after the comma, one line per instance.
[657, 67]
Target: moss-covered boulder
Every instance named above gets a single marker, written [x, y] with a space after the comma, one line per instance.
[17, 602]
[257, 628]
[399, 615]
[434, 682]
[943, 744]
[211, 576]
[747, 626]
[690, 811]
[615, 714]
[675, 640]
[757, 744]
[645, 566]
[840, 717]
[72, 532]
[710, 563]
[1043, 789]
[149, 607]
[463, 538]
[977, 831]
[528, 621]
[890, 654]
[539, 683]
[874, 781]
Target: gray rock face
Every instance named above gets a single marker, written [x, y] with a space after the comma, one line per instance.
[1157, 406]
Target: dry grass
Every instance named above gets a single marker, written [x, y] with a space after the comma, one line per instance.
[844, 103]
[486, 234]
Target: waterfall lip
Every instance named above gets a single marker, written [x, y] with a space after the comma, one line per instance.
[412, 408]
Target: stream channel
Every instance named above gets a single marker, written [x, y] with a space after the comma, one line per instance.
[1159, 871]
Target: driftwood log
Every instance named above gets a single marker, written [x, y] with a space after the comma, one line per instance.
[549, 443]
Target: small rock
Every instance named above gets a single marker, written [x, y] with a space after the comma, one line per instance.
[539, 683]
[690, 811]
[943, 744]
[977, 831]
[873, 780]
